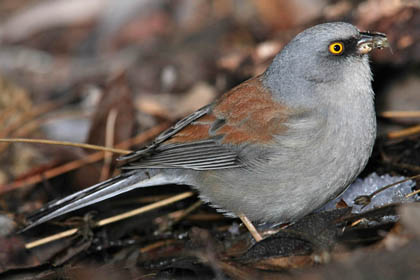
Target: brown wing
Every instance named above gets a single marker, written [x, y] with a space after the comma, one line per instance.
[212, 137]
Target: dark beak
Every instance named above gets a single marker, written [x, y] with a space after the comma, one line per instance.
[371, 40]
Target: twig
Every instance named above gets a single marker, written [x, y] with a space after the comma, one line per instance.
[177, 216]
[400, 114]
[412, 193]
[156, 245]
[51, 238]
[65, 143]
[110, 220]
[404, 132]
[142, 137]
[51, 173]
[355, 223]
[187, 211]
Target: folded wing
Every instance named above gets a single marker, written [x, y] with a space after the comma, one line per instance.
[212, 137]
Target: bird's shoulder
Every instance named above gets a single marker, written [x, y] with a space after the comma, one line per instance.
[246, 115]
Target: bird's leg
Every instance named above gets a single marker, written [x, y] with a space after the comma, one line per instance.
[250, 227]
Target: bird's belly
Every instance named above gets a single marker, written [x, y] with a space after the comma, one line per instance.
[293, 186]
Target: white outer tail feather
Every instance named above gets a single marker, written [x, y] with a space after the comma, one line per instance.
[123, 183]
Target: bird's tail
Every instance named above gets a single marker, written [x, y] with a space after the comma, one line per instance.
[99, 192]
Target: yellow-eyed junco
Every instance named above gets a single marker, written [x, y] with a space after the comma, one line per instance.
[275, 147]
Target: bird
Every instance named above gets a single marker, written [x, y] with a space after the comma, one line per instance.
[272, 149]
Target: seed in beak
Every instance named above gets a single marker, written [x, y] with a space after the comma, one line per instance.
[370, 41]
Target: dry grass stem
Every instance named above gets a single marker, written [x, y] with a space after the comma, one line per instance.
[404, 132]
[412, 193]
[65, 143]
[51, 238]
[251, 228]
[156, 245]
[141, 138]
[144, 209]
[112, 219]
[400, 114]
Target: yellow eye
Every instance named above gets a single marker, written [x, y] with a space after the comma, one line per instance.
[336, 48]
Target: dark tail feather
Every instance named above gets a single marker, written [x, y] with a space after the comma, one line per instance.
[96, 193]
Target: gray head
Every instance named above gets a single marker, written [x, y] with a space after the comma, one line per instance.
[322, 54]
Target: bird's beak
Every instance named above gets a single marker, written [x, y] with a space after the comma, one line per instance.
[371, 40]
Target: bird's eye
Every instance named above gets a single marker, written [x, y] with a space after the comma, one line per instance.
[336, 48]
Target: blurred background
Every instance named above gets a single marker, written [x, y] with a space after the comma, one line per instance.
[103, 71]
[65, 65]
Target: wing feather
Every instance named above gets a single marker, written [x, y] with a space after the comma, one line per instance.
[212, 137]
